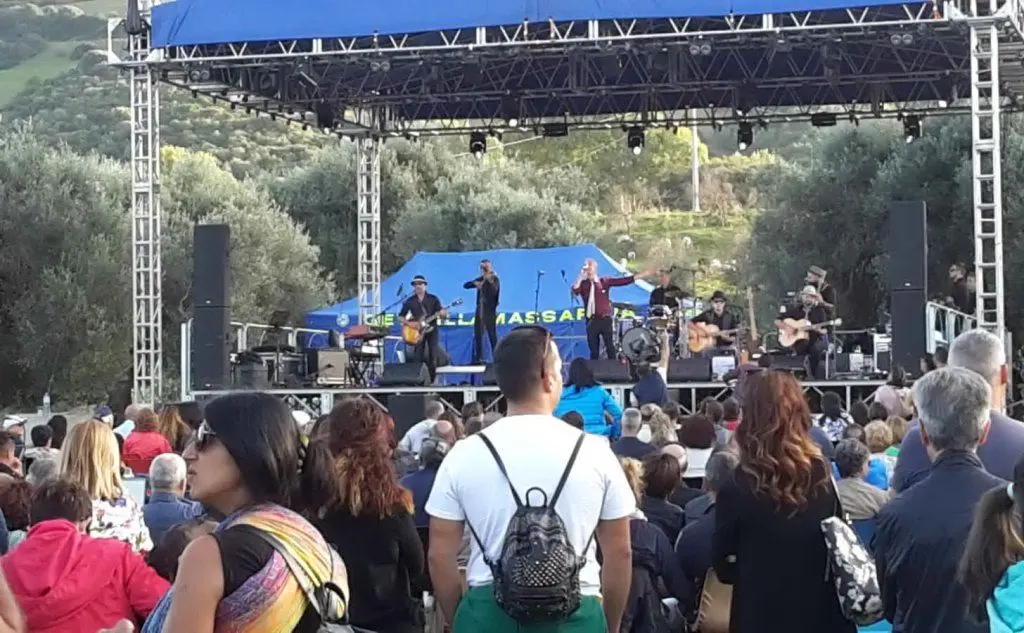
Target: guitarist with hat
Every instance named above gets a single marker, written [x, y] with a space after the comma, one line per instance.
[418, 308]
[723, 319]
[811, 309]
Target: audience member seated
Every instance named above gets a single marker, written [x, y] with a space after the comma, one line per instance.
[652, 562]
[768, 542]
[662, 429]
[534, 447]
[144, 443]
[674, 413]
[833, 420]
[164, 557]
[898, 425]
[574, 419]
[877, 476]
[650, 387]
[369, 519]
[683, 494]
[921, 534]
[878, 437]
[91, 459]
[892, 394]
[413, 438]
[661, 475]
[68, 582]
[713, 410]
[693, 547]
[174, 429]
[191, 413]
[59, 425]
[877, 412]
[983, 353]
[628, 445]
[991, 568]
[9, 462]
[421, 482]
[472, 417]
[42, 441]
[15, 501]
[698, 434]
[731, 414]
[860, 500]
[249, 461]
[859, 413]
[167, 506]
[584, 394]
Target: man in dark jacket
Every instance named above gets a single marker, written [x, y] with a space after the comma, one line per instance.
[921, 533]
[628, 445]
[982, 353]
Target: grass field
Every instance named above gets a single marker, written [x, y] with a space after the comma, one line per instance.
[46, 65]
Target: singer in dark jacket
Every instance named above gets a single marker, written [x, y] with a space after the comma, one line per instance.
[488, 290]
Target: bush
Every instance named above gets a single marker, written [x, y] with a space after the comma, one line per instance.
[14, 51]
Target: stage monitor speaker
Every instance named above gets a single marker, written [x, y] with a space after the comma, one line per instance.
[908, 246]
[250, 375]
[211, 348]
[211, 274]
[909, 336]
[407, 410]
[490, 377]
[405, 375]
[608, 371]
[327, 366]
[689, 370]
[789, 362]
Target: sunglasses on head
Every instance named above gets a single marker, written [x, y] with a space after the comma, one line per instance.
[204, 436]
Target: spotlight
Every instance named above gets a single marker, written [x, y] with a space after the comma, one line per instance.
[744, 136]
[912, 128]
[635, 140]
[478, 144]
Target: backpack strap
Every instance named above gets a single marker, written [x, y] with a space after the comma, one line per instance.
[501, 466]
[565, 473]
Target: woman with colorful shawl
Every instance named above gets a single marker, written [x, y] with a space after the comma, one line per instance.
[253, 574]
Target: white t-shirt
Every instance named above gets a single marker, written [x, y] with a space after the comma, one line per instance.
[535, 450]
[413, 438]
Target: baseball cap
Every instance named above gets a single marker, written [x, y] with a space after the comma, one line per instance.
[13, 420]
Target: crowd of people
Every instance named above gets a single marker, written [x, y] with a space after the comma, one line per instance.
[635, 520]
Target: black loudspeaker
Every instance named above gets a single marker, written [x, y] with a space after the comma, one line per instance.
[909, 336]
[689, 370]
[908, 246]
[789, 362]
[489, 377]
[211, 348]
[211, 276]
[406, 409]
[405, 375]
[610, 371]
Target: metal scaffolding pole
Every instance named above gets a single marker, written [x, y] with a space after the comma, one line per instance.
[368, 220]
[987, 170]
[147, 343]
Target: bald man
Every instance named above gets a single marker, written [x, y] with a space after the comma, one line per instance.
[445, 430]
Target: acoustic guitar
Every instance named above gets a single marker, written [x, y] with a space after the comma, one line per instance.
[413, 331]
[705, 335]
[794, 330]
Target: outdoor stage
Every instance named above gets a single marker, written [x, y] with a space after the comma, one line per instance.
[317, 401]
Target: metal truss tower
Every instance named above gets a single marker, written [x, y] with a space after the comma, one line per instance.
[147, 344]
[368, 218]
[987, 166]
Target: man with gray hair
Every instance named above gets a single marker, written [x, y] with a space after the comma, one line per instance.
[413, 438]
[629, 445]
[166, 507]
[981, 352]
[921, 533]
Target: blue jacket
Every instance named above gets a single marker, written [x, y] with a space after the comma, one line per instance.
[591, 403]
[165, 510]
[1006, 606]
[877, 475]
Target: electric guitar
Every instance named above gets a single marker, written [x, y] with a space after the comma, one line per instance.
[794, 330]
[413, 331]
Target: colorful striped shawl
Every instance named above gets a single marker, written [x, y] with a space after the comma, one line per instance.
[272, 600]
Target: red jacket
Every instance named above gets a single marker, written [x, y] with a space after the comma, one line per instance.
[68, 582]
[141, 447]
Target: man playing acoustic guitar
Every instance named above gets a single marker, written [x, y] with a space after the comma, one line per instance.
[812, 311]
[418, 308]
[722, 320]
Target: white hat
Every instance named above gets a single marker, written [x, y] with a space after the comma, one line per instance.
[13, 420]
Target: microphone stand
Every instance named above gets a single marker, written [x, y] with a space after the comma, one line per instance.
[536, 296]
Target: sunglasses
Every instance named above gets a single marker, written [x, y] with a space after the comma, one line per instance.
[204, 436]
[547, 345]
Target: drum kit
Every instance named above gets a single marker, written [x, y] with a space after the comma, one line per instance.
[640, 339]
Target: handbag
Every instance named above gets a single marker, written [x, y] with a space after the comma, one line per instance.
[715, 605]
[323, 597]
[851, 568]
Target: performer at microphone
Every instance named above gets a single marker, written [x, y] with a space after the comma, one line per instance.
[594, 292]
[488, 290]
[420, 306]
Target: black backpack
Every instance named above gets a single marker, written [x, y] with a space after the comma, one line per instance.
[537, 574]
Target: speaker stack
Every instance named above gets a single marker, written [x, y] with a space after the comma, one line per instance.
[908, 282]
[211, 316]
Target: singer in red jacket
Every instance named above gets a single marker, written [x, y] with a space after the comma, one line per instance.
[593, 290]
[68, 582]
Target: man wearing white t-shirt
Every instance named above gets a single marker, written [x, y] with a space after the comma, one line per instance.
[535, 447]
[412, 441]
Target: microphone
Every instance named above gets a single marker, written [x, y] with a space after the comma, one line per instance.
[563, 276]
[398, 291]
[541, 273]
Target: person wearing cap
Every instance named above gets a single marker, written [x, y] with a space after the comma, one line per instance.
[15, 427]
[719, 316]
[104, 414]
[421, 306]
[814, 346]
[826, 293]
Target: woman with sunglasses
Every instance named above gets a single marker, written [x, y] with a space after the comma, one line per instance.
[248, 463]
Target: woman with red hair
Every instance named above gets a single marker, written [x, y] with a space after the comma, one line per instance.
[369, 520]
[768, 541]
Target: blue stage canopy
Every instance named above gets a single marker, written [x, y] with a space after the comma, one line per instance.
[517, 269]
[193, 22]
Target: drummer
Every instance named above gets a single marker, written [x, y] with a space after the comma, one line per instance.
[666, 293]
[719, 316]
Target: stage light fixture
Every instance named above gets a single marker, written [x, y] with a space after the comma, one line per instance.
[635, 140]
[744, 136]
[912, 128]
[478, 144]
